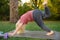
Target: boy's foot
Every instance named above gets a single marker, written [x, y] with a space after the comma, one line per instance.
[10, 34]
[50, 33]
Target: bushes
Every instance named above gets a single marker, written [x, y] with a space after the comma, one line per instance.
[4, 10]
[54, 8]
[23, 9]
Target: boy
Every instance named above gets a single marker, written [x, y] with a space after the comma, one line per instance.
[33, 15]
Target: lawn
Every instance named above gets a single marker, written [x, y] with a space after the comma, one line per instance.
[7, 26]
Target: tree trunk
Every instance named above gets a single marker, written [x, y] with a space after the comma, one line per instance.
[13, 11]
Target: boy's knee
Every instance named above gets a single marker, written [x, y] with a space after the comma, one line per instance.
[17, 23]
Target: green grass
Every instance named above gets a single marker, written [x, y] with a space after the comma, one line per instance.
[7, 26]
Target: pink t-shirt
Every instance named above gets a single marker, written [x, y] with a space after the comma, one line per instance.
[27, 17]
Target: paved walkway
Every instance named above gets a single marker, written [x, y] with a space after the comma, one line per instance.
[38, 34]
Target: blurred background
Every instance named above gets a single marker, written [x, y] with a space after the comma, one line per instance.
[26, 5]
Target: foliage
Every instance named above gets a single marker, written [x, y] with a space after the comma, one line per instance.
[23, 9]
[36, 3]
[4, 9]
[56, 8]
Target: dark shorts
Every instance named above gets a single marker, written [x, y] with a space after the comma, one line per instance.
[38, 18]
[37, 15]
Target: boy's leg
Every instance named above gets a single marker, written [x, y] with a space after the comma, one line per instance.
[18, 22]
[22, 29]
[16, 30]
[19, 26]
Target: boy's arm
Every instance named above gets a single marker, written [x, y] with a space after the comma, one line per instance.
[47, 11]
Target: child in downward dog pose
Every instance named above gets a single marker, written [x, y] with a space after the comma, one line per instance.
[33, 15]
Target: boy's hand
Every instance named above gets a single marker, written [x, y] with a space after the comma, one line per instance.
[44, 3]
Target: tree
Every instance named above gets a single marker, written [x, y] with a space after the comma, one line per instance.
[13, 11]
